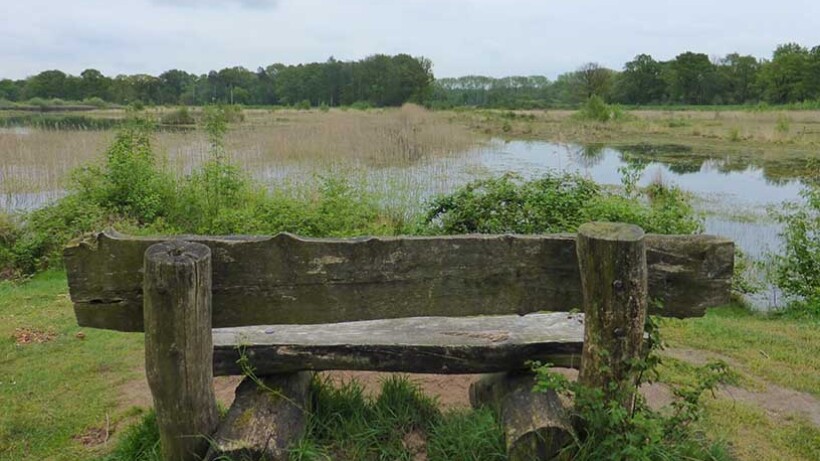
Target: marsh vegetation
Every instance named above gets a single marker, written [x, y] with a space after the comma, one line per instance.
[398, 171]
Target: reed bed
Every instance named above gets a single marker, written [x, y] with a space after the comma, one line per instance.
[386, 149]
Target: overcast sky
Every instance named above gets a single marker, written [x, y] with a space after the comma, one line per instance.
[490, 37]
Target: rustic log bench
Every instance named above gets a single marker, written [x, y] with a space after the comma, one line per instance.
[285, 306]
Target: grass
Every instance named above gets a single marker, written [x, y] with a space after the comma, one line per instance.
[778, 350]
[398, 424]
[55, 392]
[275, 145]
[755, 436]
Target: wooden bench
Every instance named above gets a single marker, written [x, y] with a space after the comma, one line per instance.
[285, 305]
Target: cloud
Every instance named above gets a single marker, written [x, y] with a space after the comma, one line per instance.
[253, 4]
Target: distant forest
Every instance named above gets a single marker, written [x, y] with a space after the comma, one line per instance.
[792, 75]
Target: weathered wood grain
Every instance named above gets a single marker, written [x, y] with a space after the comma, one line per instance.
[612, 261]
[537, 425]
[179, 348]
[289, 280]
[264, 420]
[414, 345]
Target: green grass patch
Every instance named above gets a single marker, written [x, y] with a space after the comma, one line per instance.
[779, 350]
[56, 391]
[754, 436]
[401, 423]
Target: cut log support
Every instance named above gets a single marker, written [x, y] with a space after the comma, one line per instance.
[264, 419]
[536, 425]
[179, 346]
[612, 261]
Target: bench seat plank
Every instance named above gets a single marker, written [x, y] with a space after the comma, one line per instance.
[414, 345]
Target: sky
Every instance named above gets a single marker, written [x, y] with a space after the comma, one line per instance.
[461, 37]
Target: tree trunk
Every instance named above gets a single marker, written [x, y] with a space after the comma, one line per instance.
[179, 346]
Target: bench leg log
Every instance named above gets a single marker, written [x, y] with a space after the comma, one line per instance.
[179, 346]
[537, 425]
[265, 418]
[612, 262]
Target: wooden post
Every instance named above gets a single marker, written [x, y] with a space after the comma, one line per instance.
[179, 346]
[612, 261]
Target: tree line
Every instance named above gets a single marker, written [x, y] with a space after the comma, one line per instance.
[378, 80]
[792, 75]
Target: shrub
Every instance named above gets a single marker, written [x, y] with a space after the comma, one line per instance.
[797, 270]
[596, 110]
[181, 116]
[39, 242]
[9, 233]
[783, 125]
[95, 101]
[37, 102]
[303, 105]
[361, 105]
[131, 184]
[233, 113]
[604, 429]
[554, 203]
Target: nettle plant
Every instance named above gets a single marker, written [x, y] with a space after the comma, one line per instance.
[606, 429]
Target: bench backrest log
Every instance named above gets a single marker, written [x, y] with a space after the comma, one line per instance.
[290, 280]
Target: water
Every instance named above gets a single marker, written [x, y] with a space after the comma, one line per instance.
[735, 199]
[735, 202]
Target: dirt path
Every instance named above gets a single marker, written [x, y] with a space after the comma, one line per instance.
[452, 390]
[779, 402]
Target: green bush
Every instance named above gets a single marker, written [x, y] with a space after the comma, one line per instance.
[37, 102]
[180, 116]
[39, 242]
[554, 203]
[361, 105]
[596, 110]
[797, 270]
[9, 233]
[604, 428]
[96, 102]
[131, 184]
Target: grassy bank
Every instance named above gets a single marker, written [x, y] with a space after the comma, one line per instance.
[782, 139]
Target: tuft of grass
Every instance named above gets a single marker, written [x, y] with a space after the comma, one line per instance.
[140, 442]
[468, 436]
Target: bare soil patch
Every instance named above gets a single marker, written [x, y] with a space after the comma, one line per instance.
[24, 336]
[93, 437]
